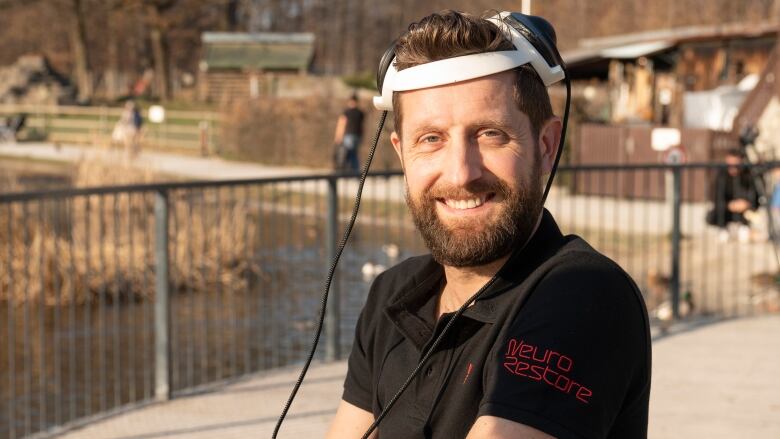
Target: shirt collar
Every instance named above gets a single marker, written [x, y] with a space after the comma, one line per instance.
[544, 243]
[411, 303]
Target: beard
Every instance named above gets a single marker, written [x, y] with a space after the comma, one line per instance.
[476, 242]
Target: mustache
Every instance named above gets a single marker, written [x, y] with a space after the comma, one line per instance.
[472, 188]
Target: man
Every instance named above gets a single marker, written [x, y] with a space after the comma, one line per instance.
[349, 133]
[734, 198]
[558, 344]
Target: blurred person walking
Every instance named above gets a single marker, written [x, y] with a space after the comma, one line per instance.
[127, 130]
[349, 134]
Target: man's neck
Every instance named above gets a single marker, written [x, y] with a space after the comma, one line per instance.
[462, 282]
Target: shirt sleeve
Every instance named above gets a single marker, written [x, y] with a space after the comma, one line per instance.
[357, 385]
[575, 356]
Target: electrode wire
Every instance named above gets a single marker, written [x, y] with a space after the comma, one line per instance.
[427, 355]
[331, 271]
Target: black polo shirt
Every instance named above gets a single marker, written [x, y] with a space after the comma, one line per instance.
[559, 342]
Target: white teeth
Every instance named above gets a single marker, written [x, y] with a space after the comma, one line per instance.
[464, 204]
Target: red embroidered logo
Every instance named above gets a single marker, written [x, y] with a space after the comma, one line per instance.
[468, 372]
[526, 360]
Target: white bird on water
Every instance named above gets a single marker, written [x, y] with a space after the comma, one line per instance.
[371, 270]
[392, 251]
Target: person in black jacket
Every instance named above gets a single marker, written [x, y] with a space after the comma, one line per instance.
[349, 134]
[734, 197]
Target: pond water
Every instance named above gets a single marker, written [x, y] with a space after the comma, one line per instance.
[59, 364]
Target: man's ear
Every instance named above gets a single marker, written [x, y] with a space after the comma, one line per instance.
[396, 141]
[549, 139]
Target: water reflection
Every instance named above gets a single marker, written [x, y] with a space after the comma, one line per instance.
[61, 364]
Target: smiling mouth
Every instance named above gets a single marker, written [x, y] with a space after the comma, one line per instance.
[466, 203]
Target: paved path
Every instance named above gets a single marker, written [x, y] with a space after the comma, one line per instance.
[245, 410]
[189, 166]
[717, 380]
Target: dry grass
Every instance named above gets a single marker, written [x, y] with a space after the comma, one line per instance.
[84, 249]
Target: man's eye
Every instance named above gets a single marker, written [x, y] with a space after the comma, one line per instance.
[491, 133]
[430, 139]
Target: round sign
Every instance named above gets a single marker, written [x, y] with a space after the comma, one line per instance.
[675, 156]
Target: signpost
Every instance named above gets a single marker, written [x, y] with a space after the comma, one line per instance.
[667, 141]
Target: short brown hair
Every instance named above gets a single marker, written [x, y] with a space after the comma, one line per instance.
[448, 34]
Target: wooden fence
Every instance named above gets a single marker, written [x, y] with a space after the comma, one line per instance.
[193, 130]
[599, 144]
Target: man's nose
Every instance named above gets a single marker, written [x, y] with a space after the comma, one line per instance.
[464, 162]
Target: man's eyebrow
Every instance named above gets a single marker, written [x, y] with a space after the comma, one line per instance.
[425, 128]
[481, 123]
[495, 123]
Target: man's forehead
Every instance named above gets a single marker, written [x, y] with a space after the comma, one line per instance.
[487, 99]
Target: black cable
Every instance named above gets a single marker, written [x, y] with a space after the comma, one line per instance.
[427, 355]
[563, 138]
[329, 280]
[476, 295]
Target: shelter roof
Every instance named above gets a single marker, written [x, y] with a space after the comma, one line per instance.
[262, 51]
[635, 45]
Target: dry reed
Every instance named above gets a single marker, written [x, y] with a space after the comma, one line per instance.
[84, 249]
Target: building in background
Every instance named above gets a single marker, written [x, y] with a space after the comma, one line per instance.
[710, 82]
[241, 65]
[648, 77]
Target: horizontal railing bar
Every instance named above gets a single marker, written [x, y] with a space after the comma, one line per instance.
[153, 187]
[661, 166]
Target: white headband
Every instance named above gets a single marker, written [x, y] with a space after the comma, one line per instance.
[462, 68]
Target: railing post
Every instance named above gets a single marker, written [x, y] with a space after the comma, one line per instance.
[203, 135]
[162, 346]
[676, 235]
[333, 314]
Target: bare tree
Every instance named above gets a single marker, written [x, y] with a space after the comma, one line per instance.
[111, 70]
[111, 38]
[158, 28]
[78, 41]
[231, 14]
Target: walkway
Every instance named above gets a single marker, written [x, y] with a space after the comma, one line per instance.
[188, 166]
[716, 381]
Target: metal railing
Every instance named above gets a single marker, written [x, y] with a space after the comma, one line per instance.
[114, 297]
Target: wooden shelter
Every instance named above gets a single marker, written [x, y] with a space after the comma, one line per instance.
[646, 74]
[249, 64]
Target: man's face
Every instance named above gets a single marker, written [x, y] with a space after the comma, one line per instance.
[473, 168]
